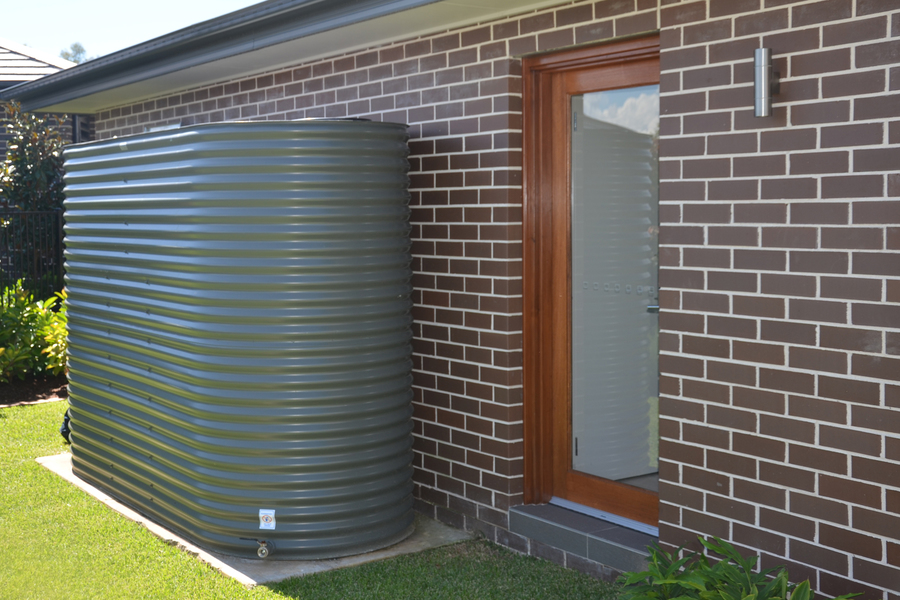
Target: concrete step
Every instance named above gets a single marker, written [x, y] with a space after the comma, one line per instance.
[589, 537]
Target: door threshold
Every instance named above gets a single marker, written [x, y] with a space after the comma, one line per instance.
[605, 516]
[583, 535]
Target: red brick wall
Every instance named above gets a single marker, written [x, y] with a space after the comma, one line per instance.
[780, 349]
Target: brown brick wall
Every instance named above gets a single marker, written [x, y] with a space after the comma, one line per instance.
[780, 246]
[779, 265]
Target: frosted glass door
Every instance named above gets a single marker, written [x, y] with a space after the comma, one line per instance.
[615, 327]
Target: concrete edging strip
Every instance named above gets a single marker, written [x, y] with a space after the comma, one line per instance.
[428, 534]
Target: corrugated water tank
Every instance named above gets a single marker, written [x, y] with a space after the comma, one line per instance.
[240, 329]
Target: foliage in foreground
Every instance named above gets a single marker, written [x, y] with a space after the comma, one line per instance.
[32, 334]
[56, 542]
[694, 578]
[31, 177]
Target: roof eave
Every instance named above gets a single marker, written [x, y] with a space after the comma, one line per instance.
[253, 28]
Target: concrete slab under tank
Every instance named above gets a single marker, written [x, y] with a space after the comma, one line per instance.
[428, 534]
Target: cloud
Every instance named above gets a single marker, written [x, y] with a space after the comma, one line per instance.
[636, 109]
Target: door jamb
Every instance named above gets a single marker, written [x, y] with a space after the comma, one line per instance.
[542, 380]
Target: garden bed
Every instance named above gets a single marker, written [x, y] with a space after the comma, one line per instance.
[33, 390]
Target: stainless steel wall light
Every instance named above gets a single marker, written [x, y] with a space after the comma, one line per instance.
[765, 82]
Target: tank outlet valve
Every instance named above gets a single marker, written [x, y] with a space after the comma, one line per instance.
[265, 547]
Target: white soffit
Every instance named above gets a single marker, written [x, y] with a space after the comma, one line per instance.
[409, 24]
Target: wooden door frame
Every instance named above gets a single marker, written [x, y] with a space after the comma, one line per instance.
[547, 360]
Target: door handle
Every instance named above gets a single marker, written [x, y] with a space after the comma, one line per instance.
[653, 308]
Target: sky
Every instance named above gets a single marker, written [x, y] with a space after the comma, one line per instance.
[103, 26]
[633, 108]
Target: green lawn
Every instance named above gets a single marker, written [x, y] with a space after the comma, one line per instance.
[58, 542]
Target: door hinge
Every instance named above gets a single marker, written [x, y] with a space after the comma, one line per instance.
[574, 121]
[576, 446]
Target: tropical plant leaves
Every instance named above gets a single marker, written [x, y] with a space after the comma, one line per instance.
[693, 577]
[32, 334]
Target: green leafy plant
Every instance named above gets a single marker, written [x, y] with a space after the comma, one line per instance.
[31, 177]
[693, 577]
[32, 334]
[55, 337]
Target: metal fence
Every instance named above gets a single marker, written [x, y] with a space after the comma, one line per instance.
[31, 249]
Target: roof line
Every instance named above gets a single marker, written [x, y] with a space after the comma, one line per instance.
[54, 61]
[252, 28]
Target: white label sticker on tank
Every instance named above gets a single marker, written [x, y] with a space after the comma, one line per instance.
[266, 519]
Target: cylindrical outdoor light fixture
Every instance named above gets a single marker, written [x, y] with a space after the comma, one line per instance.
[762, 82]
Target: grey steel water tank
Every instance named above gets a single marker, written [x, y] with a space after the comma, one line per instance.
[240, 329]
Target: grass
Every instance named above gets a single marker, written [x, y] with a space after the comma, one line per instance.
[468, 570]
[58, 542]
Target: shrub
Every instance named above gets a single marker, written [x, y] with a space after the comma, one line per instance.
[31, 177]
[694, 578]
[32, 334]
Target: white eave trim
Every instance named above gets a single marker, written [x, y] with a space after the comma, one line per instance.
[247, 59]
